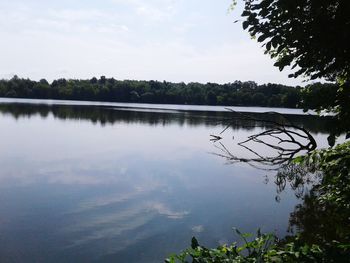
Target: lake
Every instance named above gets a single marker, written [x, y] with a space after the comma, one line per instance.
[99, 182]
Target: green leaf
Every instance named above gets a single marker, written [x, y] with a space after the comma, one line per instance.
[194, 243]
[268, 46]
[245, 24]
[262, 38]
[298, 159]
[274, 41]
[245, 13]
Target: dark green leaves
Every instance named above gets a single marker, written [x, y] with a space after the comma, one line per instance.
[262, 248]
[245, 24]
[312, 31]
[262, 37]
[311, 36]
[194, 243]
[268, 46]
[275, 41]
[245, 13]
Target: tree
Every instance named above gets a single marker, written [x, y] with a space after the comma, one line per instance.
[311, 36]
[211, 98]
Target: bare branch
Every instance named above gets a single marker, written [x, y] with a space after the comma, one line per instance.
[288, 143]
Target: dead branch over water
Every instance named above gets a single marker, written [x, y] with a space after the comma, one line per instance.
[290, 140]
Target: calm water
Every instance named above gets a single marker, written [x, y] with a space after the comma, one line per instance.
[100, 183]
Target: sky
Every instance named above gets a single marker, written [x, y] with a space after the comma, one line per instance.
[172, 40]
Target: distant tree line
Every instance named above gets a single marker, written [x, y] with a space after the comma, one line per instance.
[237, 93]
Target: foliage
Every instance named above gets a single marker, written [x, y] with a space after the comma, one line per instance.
[324, 218]
[334, 163]
[319, 97]
[312, 37]
[109, 89]
[263, 248]
[328, 99]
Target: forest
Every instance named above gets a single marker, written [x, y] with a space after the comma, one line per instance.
[236, 93]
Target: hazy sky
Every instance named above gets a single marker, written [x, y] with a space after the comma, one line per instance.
[173, 40]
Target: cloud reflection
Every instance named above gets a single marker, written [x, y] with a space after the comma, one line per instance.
[164, 210]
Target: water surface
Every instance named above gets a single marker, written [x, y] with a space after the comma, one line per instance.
[105, 183]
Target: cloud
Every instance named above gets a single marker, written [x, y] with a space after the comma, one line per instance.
[27, 19]
[131, 39]
[76, 15]
[198, 229]
[154, 10]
